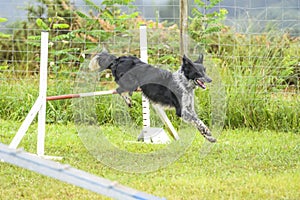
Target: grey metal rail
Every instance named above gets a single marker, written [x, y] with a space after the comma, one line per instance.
[71, 175]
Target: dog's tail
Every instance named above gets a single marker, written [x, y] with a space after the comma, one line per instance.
[101, 61]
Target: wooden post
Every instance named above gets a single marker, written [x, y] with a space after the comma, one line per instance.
[183, 27]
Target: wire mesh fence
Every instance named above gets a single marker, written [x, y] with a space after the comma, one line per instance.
[254, 45]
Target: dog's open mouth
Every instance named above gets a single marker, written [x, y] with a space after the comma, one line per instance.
[200, 83]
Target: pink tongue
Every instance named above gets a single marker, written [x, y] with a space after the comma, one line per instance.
[201, 84]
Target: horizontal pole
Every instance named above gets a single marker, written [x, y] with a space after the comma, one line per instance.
[61, 97]
[72, 96]
[88, 94]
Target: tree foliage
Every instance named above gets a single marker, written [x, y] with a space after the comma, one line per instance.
[206, 21]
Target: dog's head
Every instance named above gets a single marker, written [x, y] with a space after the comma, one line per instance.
[195, 71]
[101, 61]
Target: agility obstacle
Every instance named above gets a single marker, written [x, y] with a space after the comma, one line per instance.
[39, 106]
[80, 95]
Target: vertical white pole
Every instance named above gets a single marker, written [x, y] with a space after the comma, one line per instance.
[144, 58]
[42, 94]
[143, 43]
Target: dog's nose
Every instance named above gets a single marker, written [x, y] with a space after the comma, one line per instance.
[208, 80]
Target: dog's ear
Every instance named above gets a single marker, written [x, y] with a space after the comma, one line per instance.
[104, 50]
[200, 59]
[186, 60]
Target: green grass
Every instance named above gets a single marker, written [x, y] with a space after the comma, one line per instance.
[244, 164]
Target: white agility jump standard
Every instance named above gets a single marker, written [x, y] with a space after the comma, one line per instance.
[39, 106]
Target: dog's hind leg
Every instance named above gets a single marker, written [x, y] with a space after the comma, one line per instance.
[125, 96]
[192, 118]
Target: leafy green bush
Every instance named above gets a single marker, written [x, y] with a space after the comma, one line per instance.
[17, 98]
[262, 79]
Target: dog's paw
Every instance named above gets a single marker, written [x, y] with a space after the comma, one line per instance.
[129, 105]
[127, 101]
[210, 138]
[206, 132]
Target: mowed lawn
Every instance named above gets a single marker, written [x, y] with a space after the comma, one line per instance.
[243, 164]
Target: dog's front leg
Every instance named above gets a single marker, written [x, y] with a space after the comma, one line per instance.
[192, 118]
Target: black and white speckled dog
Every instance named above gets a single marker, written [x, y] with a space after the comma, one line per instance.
[160, 86]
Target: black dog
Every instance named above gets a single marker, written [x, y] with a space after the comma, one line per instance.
[160, 86]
